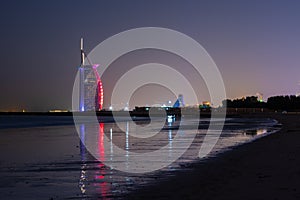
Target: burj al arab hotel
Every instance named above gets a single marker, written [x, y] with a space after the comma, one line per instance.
[90, 85]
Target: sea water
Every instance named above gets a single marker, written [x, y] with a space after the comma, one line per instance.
[44, 157]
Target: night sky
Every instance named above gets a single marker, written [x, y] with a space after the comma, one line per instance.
[255, 44]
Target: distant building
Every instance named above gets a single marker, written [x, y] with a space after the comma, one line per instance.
[57, 110]
[179, 103]
[259, 97]
[206, 104]
[91, 90]
[90, 85]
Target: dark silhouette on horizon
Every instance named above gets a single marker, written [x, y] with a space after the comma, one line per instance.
[287, 102]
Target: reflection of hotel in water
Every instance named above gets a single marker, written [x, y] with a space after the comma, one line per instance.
[102, 138]
[97, 180]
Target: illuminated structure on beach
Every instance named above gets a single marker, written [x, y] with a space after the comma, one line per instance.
[259, 97]
[179, 102]
[91, 90]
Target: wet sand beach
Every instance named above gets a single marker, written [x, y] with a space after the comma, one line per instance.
[267, 168]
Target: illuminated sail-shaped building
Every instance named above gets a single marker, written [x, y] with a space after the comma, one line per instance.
[91, 90]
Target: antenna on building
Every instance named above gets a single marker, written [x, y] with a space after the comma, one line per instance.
[83, 55]
[82, 52]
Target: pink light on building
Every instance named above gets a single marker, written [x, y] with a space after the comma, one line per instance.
[99, 88]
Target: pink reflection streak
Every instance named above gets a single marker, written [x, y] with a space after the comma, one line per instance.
[101, 185]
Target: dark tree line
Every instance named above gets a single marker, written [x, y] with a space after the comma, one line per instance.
[276, 102]
[284, 102]
[248, 102]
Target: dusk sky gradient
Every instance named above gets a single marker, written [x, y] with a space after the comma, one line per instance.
[255, 44]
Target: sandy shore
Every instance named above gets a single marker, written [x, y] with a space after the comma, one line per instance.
[268, 168]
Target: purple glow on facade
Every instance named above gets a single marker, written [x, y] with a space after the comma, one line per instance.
[91, 89]
[81, 87]
[99, 88]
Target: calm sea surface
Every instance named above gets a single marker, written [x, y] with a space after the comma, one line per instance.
[44, 157]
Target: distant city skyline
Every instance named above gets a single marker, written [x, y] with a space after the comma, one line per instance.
[255, 45]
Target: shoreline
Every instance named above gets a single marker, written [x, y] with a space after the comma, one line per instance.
[266, 168]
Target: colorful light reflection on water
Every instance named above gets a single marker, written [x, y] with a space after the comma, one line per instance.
[97, 179]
